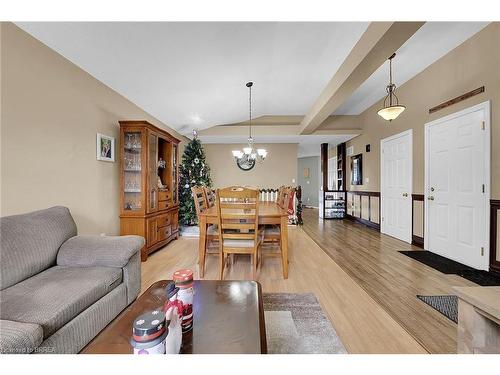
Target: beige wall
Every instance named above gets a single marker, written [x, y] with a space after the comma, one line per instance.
[473, 64]
[279, 168]
[51, 112]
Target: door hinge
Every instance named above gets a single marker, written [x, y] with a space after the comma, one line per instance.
[382, 219]
[482, 125]
[482, 251]
[483, 188]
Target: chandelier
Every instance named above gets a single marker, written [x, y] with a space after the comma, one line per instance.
[245, 159]
[394, 109]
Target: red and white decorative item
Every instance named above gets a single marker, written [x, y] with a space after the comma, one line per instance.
[184, 281]
[174, 309]
[149, 333]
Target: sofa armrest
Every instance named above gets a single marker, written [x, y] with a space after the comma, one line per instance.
[95, 251]
[19, 338]
[132, 277]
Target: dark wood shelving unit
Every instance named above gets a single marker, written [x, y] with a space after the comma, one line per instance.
[341, 166]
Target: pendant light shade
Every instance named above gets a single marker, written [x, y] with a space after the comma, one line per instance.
[392, 109]
[392, 112]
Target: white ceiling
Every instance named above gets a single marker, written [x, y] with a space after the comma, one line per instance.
[431, 42]
[193, 75]
[309, 145]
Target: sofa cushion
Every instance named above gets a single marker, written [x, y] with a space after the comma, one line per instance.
[19, 338]
[96, 251]
[29, 242]
[57, 295]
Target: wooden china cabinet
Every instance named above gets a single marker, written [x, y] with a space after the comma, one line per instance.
[149, 176]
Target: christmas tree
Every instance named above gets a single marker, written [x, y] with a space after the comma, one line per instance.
[193, 171]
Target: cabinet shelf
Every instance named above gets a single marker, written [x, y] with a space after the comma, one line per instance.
[333, 204]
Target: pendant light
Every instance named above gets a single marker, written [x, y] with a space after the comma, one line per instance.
[392, 109]
[249, 155]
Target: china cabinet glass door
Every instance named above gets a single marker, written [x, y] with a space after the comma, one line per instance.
[153, 173]
[132, 171]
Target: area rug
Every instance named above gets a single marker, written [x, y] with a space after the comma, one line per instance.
[448, 266]
[446, 305]
[296, 324]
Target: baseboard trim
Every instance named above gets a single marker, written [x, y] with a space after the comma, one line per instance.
[368, 223]
[417, 241]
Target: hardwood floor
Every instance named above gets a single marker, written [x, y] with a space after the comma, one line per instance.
[362, 324]
[393, 280]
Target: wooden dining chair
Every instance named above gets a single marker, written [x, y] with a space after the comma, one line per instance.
[272, 233]
[238, 218]
[201, 205]
[209, 197]
[279, 198]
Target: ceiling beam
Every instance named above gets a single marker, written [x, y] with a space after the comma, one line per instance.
[378, 42]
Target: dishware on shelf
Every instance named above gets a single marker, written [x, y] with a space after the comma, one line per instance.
[129, 141]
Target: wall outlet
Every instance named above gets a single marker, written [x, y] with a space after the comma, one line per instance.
[367, 180]
[293, 180]
[308, 182]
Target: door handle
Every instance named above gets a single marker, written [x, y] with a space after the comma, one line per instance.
[405, 194]
[430, 197]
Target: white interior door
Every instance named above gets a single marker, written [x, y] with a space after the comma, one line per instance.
[457, 186]
[396, 185]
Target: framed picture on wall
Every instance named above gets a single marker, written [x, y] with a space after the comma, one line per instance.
[105, 146]
[356, 169]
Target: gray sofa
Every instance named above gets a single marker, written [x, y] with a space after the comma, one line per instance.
[59, 290]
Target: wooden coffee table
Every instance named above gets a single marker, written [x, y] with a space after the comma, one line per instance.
[228, 318]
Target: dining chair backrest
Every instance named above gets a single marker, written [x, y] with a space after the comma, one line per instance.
[238, 213]
[209, 197]
[289, 195]
[279, 198]
[200, 201]
[284, 197]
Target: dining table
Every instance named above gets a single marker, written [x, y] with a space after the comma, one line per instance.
[270, 213]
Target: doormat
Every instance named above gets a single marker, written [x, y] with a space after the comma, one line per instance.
[482, 278]
[437, 262]
[446, 305]
[296, 324]
[450, 267]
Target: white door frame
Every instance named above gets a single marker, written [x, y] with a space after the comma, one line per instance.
[382, 141]
[486, 107]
